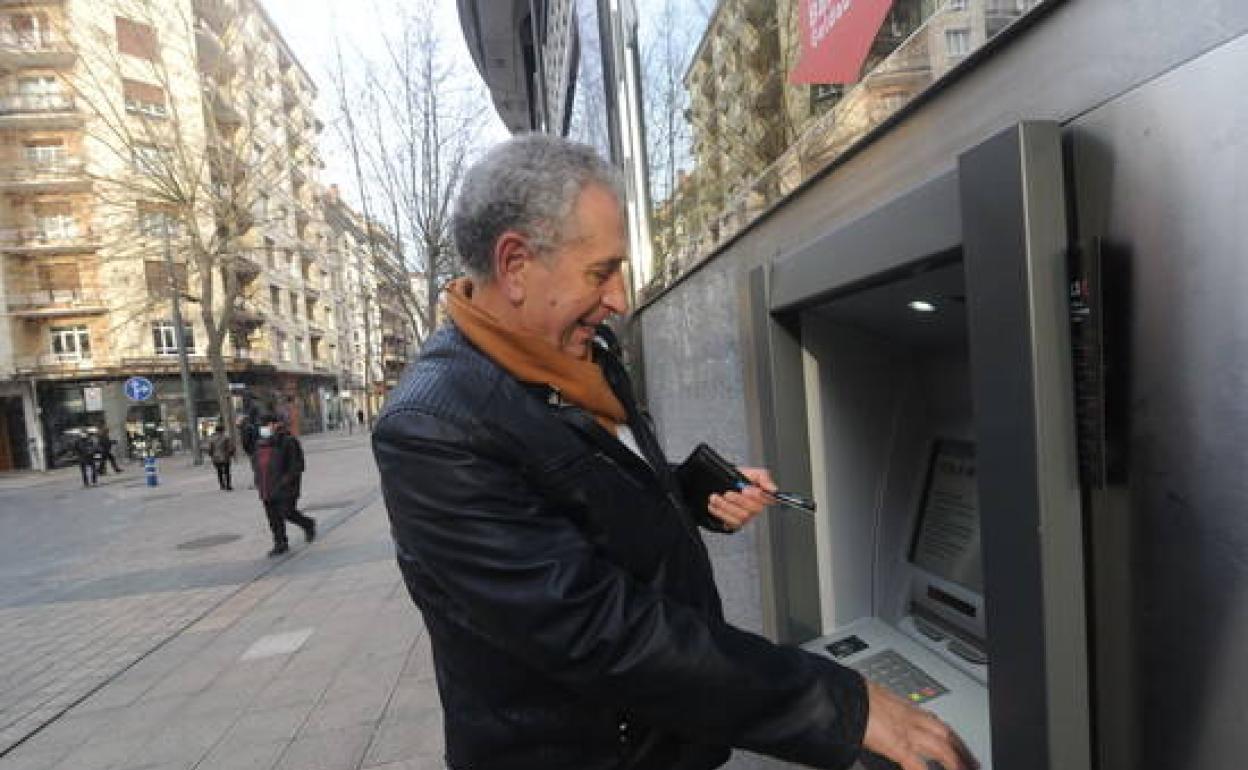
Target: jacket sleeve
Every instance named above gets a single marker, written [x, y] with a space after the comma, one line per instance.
[526, 577]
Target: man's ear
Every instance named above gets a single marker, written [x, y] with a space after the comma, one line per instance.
[512, 258]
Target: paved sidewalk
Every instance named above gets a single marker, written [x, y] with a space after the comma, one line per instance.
[322, 664]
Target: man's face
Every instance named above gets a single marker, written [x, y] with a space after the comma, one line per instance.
[581, 284]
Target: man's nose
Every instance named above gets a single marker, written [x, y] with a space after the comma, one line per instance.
[615, 298]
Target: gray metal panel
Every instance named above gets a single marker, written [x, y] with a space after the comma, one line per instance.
[871, 245]
[1162, 179]
[788, 559]
[1032, 531]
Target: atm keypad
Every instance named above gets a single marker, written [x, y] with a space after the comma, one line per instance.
[906, 680]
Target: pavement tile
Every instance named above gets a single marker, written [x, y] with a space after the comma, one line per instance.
[413, 763]
[411, 736]
[267, 726]
[259, 756]
[351, 711]
[332, 750]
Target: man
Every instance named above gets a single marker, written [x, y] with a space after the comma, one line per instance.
[221, 450]
[87, 448]
[106, 452]
[566, 590]
[277, 464]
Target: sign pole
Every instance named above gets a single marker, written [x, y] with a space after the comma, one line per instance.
[180, 337]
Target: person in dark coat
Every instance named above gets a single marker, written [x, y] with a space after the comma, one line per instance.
[221, 449]
[557, 562]
[87, 448]
[277, 465]
[248, 434]
[106, 452]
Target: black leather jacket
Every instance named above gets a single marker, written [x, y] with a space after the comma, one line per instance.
[567, 593]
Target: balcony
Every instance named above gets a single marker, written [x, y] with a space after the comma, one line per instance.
[213, 58]
[62, 175]
[54, 366]
[52, 303]
[35, 242]
[246, 266]
[216, 13]
[39, 111]
[290, 100]
[223, 109]
[249, 313]
[34, 50]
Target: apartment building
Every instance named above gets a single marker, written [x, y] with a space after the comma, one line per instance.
[134, 136]
[374, 295]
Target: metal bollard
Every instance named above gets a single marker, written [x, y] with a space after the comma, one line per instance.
[149, 470]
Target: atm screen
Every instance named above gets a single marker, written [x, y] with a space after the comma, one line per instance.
[946, 540]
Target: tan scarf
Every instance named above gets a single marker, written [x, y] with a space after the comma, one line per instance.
[531, 359]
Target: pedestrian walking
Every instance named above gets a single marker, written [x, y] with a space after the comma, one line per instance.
[277, 465]
[569, 599]
[88, 451]
[106, 453]
[248, 434]
[359, 413]
[221, 449]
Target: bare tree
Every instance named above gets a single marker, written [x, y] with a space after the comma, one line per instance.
[409, 118]
[204, 161]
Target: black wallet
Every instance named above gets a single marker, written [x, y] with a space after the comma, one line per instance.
[705, 473]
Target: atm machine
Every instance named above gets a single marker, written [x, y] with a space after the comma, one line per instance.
[931, 339]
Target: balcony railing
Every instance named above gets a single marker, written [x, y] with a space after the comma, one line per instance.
[53, 302]
[17, 240]
[28, 174]
[34, 49]
[23, 104]
[55, 363]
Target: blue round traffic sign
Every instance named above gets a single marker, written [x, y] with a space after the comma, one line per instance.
[139, 389]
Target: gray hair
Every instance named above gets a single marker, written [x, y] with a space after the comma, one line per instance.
[529, 183]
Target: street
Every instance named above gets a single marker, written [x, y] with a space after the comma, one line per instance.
[146, 628]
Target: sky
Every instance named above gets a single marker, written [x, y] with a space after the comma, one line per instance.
[309, 27]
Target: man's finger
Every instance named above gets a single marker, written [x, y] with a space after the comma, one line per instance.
[760, 477]
[939, 742]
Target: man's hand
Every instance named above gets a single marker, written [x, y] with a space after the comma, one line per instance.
[909, 736]
[735, 509]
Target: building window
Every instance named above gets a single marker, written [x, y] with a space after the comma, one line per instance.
[136, 39]
[151, 159]
[39, 85]
[27, 31]
[956, 5]
[165, 338]
[45, 153]
[958, 41]
[71, 343]
[294, 304]
[299, 350]
[270, 257]
[144, 98]
[152, 222]
[283, 350]
[275, 299]
[55, 222]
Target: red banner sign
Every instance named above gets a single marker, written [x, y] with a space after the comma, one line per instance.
[836, 36]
